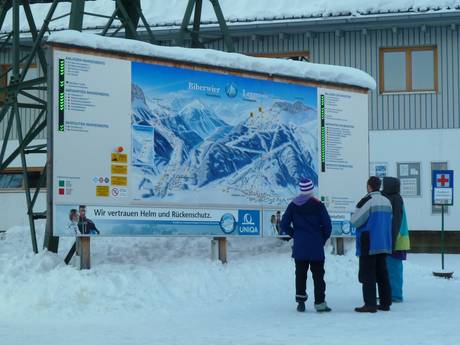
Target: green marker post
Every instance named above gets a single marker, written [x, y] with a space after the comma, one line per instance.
[442, 237]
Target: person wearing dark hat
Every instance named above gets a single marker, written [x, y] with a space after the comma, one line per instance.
[400, 232]
[307, 221]
[372, 219]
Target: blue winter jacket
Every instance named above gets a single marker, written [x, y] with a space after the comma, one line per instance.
[306, 220]
[373, 221]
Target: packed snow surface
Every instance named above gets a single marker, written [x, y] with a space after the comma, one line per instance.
[167, 291]
[170, 13]
[296, 69]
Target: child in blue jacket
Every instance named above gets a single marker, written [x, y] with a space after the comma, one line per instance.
[307, 221]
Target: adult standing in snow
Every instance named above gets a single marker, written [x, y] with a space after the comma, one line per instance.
[307, 221]
[400, 232]
[372, 219]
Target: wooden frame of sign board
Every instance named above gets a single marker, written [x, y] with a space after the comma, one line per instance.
[298, 55]
[207, 68]
[85, 262]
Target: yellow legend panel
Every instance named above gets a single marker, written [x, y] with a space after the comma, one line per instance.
[102, 191]
[119, 169]
[119, 181]
[119, 158]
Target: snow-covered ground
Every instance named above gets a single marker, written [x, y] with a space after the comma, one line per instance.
[168, 291]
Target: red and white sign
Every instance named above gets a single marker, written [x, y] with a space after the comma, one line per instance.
[442, 180]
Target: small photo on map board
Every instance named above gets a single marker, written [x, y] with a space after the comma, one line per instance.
[272, 222]
[409, 175]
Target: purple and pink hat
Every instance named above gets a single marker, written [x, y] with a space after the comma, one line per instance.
[306, 186]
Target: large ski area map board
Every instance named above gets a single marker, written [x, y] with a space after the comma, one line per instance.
[169, 149]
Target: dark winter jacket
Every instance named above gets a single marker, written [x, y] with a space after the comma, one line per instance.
[306, 220]
[87, 226]
[391, 190]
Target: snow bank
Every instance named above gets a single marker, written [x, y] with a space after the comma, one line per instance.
[167, 291]
[280, 67]
[170, 13]
[128, 274]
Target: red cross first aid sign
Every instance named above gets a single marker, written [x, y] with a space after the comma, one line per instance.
[443, 187]
[442, 180]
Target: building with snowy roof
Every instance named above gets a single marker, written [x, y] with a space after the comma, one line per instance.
[411, 48]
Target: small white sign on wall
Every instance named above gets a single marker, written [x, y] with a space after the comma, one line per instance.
[379, 169]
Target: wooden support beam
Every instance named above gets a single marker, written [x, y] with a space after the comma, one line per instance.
[85, 254]
[339, 246]
[77, 246]
[222, 248]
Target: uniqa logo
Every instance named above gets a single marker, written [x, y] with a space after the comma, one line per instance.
[247, 219]
[231, 90]
[248, 225]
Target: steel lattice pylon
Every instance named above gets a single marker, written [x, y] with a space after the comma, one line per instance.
[27, 48]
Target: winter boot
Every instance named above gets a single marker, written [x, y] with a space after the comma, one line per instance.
[322, 308]
[383, 307]
[366, 309]
[301, 307]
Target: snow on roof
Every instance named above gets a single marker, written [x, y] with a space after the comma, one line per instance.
[170, 13]
[280, 67]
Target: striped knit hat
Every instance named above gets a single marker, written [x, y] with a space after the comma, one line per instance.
[306, 186]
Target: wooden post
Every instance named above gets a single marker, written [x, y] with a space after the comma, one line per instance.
[77, 246]
[214, 250]
[222, 248]
[85, 253]
[339, 246]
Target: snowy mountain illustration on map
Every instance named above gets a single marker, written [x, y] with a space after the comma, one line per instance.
[199, 156]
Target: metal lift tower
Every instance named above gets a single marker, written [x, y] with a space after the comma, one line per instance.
[126, 20]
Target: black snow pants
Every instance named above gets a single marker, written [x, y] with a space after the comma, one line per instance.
[372, 271]
[317, 270]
